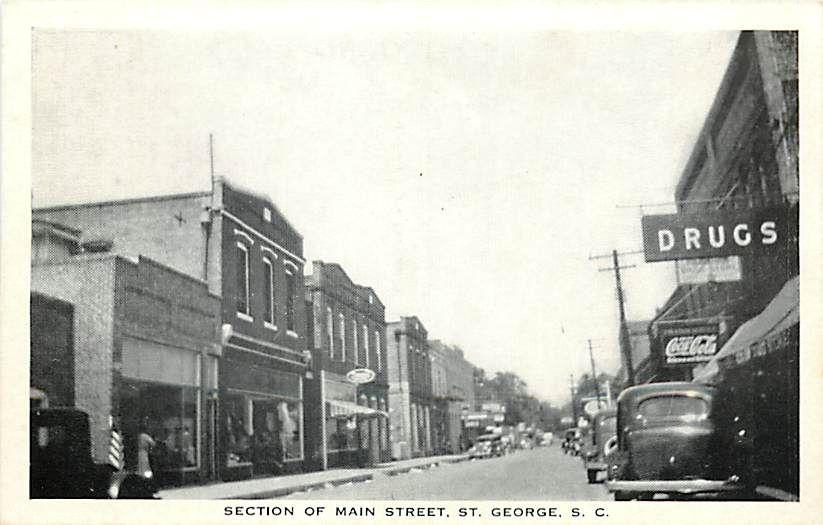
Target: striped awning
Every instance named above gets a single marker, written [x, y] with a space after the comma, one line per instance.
[336, 408]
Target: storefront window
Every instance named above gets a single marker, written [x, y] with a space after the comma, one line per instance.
[238, 440]
[169, 416]
[263, 431]
[341, 434]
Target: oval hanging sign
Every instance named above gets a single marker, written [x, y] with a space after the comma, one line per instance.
[358, 376]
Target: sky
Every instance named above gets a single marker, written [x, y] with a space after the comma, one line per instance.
[467, 176]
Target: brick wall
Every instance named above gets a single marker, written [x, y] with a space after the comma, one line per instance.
[329, 287]
[166, 229]
[89, 285]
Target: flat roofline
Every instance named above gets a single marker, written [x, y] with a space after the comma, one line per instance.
[151, 198]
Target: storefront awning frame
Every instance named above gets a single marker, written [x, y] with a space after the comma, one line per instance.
[336, 408]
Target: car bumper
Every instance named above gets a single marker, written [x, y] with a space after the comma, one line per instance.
[691, 486]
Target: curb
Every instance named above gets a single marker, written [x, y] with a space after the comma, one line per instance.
[388, 471]
[285, 491]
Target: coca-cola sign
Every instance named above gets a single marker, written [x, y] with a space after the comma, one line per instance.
[688, 344]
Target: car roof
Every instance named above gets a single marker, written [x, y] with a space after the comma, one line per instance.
[668, 388]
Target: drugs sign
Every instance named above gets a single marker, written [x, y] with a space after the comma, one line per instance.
[688, 345]
[762, 231]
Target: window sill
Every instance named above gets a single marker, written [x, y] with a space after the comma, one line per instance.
[270, 326]
[245, 317]
[292, 333]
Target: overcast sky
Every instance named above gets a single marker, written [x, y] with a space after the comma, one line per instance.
[465, 176]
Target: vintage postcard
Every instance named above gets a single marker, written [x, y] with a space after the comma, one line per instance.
[410, 262]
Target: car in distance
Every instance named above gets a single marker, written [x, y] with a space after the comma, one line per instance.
[667, 443]
[487, 446]
[600, 442]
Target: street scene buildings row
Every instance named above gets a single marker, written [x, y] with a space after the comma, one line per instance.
[189, 318]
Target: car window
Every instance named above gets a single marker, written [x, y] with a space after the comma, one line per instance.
[672, 406]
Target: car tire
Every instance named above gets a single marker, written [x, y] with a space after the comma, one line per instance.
[591, 474]
[622, 495]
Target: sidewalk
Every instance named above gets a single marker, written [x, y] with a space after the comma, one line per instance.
[278, 486]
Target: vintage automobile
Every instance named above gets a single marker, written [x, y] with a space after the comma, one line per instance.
[61, 464]
[571, 441]
[487, 446]
[601, 443]
[667, 443]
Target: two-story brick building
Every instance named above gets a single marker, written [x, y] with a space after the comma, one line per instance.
[240, 244]
[347, 422]
[452, 394]
[143, 344]
[410, 387]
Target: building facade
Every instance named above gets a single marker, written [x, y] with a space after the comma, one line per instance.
[246, 251]
[144, 343]
[410, 388]
[745, 159]
[453, 396]
[347, 422]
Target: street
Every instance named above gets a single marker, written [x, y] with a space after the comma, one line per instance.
[540, 474]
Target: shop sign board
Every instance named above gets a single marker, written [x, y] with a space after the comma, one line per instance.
[699, 271]
[755, 231]
[591, 406]
[359, 376]
[492, 407]
[688, 344]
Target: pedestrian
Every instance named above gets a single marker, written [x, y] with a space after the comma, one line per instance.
[145, 443]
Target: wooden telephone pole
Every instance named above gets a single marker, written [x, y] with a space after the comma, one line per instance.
[625, 343]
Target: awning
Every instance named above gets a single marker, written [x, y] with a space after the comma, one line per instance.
[782, 312]
[336, 408]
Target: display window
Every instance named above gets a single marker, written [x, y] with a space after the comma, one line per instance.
[262, 431]
[341, 434]
[160, 424]
[238, 438]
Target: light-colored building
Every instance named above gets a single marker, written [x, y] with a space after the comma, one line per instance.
[410, 388]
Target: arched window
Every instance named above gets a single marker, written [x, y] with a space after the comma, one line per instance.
[242, 282]
[342, 321]
[330, 331]
[366, 344]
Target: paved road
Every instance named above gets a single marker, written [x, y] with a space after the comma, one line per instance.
[539, 474]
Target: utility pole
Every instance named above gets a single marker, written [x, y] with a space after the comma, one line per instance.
[574, 405]
[594, 375]
[625, 344]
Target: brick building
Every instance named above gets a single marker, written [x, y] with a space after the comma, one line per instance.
[240, 244]
[347, 423]
[745, 158]
[144, 341]
[453, 396]
[410, 388]
[51, 371]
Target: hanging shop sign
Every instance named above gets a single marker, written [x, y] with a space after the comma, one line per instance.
[718, 270]
[359, 376]
[591, 406]
[687, 344]
[756, 231]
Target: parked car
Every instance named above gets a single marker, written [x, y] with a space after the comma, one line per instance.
[571, 441]
[548, 439]
[667, 443]
[61, 464]
[487, 446]
[601, 442]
